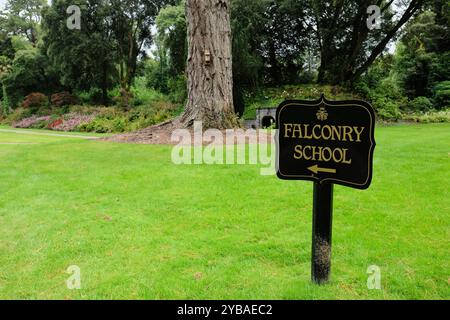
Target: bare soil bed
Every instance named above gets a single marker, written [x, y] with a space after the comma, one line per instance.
[162, 134]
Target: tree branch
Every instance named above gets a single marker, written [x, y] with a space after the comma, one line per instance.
[414, 6]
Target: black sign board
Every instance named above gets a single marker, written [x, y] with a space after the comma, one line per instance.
[326, 141]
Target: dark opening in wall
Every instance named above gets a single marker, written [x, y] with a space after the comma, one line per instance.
[267, 122]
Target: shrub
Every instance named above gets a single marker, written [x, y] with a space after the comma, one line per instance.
[55, 124]
[124, 99]
[430, 117]
[389, 88]
[17, 115]
[96, 96]
[442, 94]
[83, 96]
[35, 101]
[156, 77]
[6, 108]
[111, 120]
[164, 106]
[178, 89]
[68, 122]
[307, 77]
[33, 122]
[104, 125]
[387, 109]
[93, 96]
[420, 104]
[72, 121]
[64, 99]
[30, 69]
[85, 109]
[110, 113]
[146, 96]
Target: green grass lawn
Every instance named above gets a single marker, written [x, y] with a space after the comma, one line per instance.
[53, 132]
[140, 227]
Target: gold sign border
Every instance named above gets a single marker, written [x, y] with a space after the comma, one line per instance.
[322, 100]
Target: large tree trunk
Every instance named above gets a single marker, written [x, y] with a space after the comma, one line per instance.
[209, 65]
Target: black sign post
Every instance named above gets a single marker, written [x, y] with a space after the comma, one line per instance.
[322, 226]
[328, 142]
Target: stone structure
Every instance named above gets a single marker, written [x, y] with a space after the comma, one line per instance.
[265, 117]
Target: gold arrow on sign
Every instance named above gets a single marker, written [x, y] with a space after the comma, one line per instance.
[316, 169]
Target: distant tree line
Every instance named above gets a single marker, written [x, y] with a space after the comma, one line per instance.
[301, 41]
[275, 42]
[39, 52]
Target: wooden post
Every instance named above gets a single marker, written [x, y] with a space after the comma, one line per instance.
[322, 225]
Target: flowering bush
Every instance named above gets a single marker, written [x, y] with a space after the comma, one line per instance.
[72, 121]
[53, 125]
[32, 122]
[93, 119]
[68, 123]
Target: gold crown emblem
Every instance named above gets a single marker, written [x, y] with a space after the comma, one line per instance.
[322, 114]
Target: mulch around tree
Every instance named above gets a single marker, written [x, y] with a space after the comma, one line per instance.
[161, 134]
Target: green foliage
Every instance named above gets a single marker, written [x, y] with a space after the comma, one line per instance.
[93, 96]
[19, 44]
[384, 93]
[5, 65]
[131, 25]
[6, 47]
[271, 97]
[442, 116]
[348, 47]
[269, 41]
[420, 104]
[177, 87]
[115, 120]
[377, 73]
[6, 104]
[442, 94]
[84, 58]
[386, 109]
[17, 115]
[104, 125]
[416, 72]
[156, 75]
[165, 73]
[144, 95]
[280, 44]
[420, 60]
[157, 78]
[29, 72]
[22, 18]
[171, 25]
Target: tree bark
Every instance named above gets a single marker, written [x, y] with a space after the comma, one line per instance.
[209, 65]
